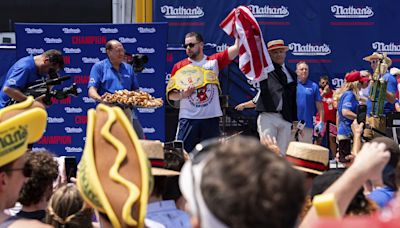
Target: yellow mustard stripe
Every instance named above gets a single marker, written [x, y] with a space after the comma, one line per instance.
[95, 183]
[134, 192]
[144, 169]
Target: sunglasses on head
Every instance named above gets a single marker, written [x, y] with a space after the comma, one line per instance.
[190, 45]
[201, 150]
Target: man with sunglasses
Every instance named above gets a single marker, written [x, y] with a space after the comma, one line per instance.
[112, 74]
[199, 106]
[26, 71]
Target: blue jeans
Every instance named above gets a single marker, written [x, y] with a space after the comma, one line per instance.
[193, 131]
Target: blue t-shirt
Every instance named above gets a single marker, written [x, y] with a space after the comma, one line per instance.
[307, 95]
[382, 196]
[22, 74]
[347, 101]
[392, 88]
[106, 79]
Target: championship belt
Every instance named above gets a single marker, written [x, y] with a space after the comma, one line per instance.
[191, 75]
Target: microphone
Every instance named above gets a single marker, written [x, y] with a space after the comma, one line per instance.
[300, 126]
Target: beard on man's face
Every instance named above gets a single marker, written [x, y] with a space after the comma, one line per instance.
[192, 54]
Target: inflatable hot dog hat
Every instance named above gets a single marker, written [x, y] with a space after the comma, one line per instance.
[114, 174]
[20, 124]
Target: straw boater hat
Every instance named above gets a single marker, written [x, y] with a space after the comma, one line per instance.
[376, 56]
[114, 173]
[395, 71]
[155, 153]
[277, 44]
[308, 157]
[20, 124]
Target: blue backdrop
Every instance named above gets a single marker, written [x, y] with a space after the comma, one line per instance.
[331, 35]
[82, 46]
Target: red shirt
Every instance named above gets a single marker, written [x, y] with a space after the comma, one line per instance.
[329, 110]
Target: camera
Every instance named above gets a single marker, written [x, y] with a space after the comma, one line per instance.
[137, 61]
[173, 155]
[43, 87]
[60, 94]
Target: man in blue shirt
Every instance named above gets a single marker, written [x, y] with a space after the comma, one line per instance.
[308, 102]
[391, 83]
[26, 71]
[112, 74]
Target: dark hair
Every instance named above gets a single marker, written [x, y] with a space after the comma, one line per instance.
[66, 209]
[44, 172]
[324, 77]
[55, 57]
[389, 172]
[197, 35]
[246, 185]
[159, 185]
[359, 205]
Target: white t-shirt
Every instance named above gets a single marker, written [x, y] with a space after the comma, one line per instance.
[203, 103]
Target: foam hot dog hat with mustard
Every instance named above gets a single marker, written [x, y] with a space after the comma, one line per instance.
[114, 174]
[21, 124]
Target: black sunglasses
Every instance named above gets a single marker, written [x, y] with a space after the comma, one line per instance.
[26, 170]
[191, 45]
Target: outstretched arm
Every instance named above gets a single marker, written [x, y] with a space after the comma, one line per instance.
[233, 50]
[368, 165]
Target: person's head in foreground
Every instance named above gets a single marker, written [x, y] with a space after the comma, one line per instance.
[240, 183]
[20, 125]
[66, 208]
[38, 188]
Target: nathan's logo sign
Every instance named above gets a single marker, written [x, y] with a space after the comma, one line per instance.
[147, 90]
[143, 50]
[352, 12]
[71, 30]
[218, 48]
[13, 138]
[69, 149]
[130, 40]
[309, 49]
[269, 11]
[72, 50]
[147, 30]
[34, 51]
[182, 12]
[33, 30]
[390, 48]
[108, 30]
[337, 82]
[90, 60]
[70, 70]
[148, 70]
[49, 40]
[149, 130]
[55, 120]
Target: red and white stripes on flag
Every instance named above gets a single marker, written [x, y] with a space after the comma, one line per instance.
[254, 60]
